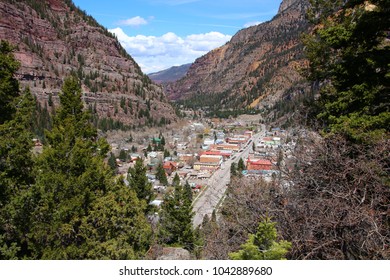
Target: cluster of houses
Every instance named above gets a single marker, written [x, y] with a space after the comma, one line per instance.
[216, 151]
[196, 163]
[264, 159]
[200, 163]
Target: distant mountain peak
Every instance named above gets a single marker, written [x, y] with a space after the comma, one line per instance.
[287, 4]
[171, 74]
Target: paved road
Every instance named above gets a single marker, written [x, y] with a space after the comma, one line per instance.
[218, 183]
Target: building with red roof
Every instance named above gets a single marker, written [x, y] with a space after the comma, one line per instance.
[169, 167]
[259, 164]
[224, 153]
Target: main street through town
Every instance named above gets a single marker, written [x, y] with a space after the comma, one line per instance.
[218, 182]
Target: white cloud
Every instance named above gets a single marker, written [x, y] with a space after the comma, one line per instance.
[252, 23]
[135, 21]
[154, 53]
[207, 42]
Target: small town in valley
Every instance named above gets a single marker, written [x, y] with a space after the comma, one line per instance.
[195, 130]
[204, 155]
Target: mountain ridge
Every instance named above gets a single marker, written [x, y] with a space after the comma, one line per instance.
[171, 74]
[257, 67]
[55, 39]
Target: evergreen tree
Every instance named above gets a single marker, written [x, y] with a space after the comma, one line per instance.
[162, 141]
[16, 179]
[214, 217]
[50, 100]
[176, 181]
[241, 165]
[188, 191]
[176, 219]
[161, 176]
[121, 230]
[80, 210]
[41, 120]
[206, 224]
[16, 160]
[349, 62]
[71, 105]
[112, 162]
[9, 86]
[123, 155]
[123, 102]
[166, 154]
[139, 182]
[233, 169]
[263, 245]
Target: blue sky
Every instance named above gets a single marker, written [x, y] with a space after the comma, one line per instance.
[159, 34]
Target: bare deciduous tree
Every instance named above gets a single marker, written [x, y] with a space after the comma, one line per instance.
[336, 206]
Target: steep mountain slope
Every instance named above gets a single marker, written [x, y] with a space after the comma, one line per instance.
[256, 68]
[54, 39]
[171, 74]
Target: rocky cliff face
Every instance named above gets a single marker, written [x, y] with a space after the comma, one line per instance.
[258, 66]
[285, 5]
[55, 39]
